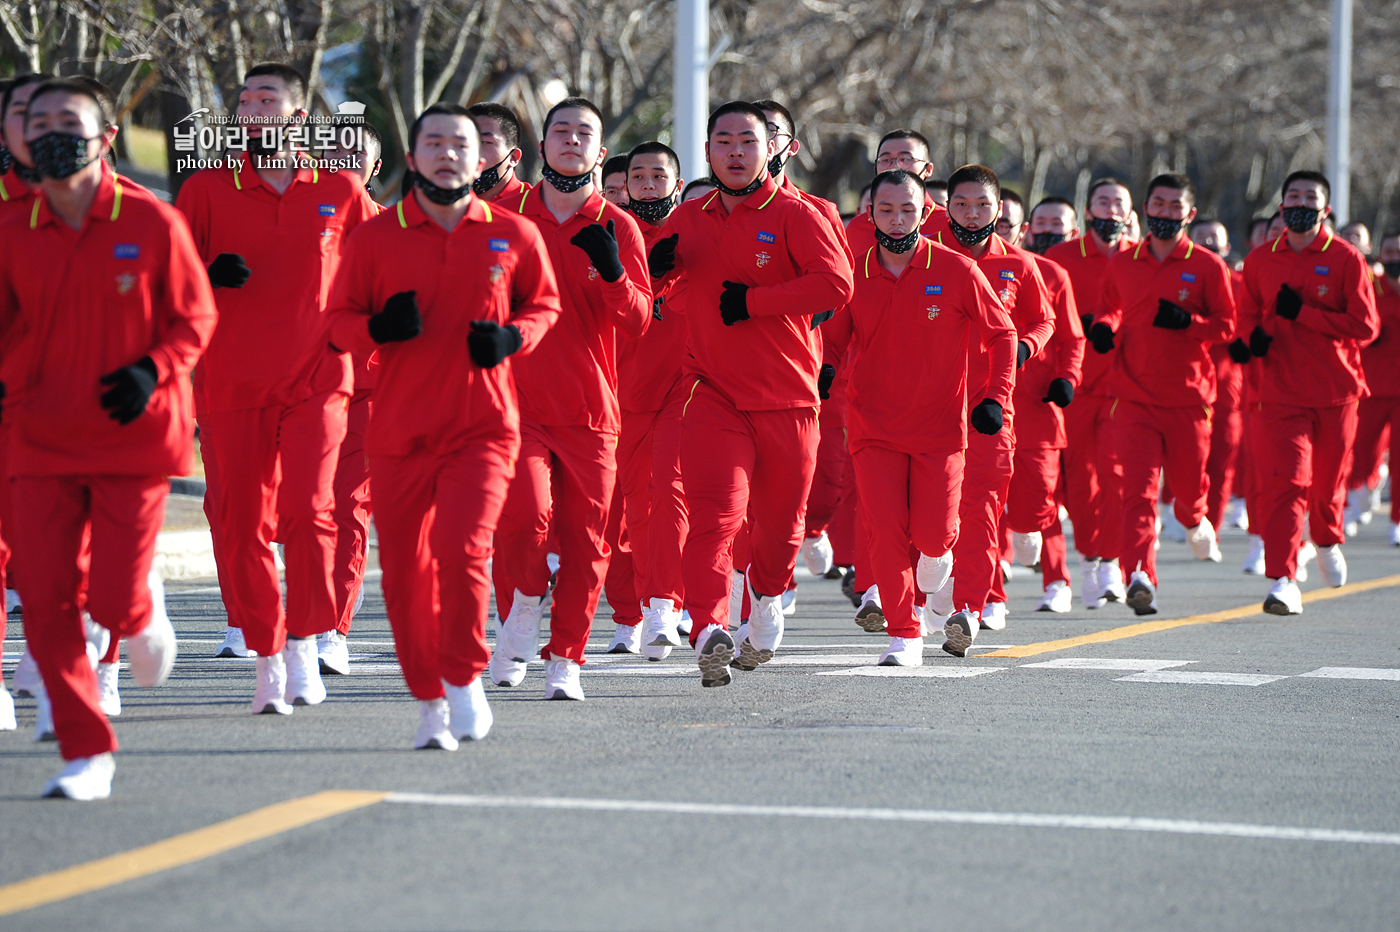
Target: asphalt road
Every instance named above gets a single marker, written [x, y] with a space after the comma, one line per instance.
[1203, 726]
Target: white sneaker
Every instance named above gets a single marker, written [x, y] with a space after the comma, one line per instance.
[993, 616]
[1203, 543]
[627, 639]
[561, 680]
[304, 686]
[766, 624]
[518, 641]
[1358, 510]
[714, 649]
[1006, 572]
[1238, 515]
[272, 686]
[1171, 529]
[1306, 552]
[1395, 535]
[789, 600]
[903, 652]
[552, 561]
[1112, 581]
[960, 630]
[470, 714]
[1058, 598]
[1284, 598]
[1332, 565]
[433, 732]
[1142, 595]
[1254, 560]
[43, 716]
[871, 615]
[931, 573]
[736, 599]
[7, 710]
[818, 554]
[1093, 591]
[26, 678]
[333, 653]
[940, 603]
[660, 630]
[1026, 548]
[683, 626]
[98, 640]
[233, 645]
[109, 699]
[83, 779]
[152, 652]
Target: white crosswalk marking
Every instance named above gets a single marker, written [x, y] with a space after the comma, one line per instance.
[915, 672]
[1195, 678]
[1107, 663]
[1354, 673]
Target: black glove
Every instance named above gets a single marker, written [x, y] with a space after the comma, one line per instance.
[1239, 352]
[986, 417]
[131, 390]
[399, 321]
[1171, 316]
[1288, 303]
[1023, 352]
[656, 303]
[662, 257]
[734, 303]
[1101, 335]
[819, 319]
[1259, 342]
[228, 270]
[601, 246]
[824, 379]
[1061, 392]
[1086, 321]
[489, 343]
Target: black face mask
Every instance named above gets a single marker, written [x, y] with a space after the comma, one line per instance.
[968, 237]
[444, 196]
[489, 178]
[1392, 269]
[897, 245]
[29, 175]
[564, 184]
[58, 155]
[1162, 228]
[1040, 242]
[1109, 230]
[654, 211]
[6, 160]
[776, 166]
[738, 192]
[1300, 219]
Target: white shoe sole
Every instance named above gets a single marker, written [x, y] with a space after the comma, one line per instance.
[871, 618]
[714, 662]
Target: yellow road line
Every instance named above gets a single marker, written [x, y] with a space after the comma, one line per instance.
[180, 850]
[1152, 627]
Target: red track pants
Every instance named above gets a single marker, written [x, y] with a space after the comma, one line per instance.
[352, 511]
[274, 480]
[1378, 417]
[657, 516]
[738, 463]
[916, 497]
[1031, 507]
[828, 480]
[977, 554]
[436, 514]
[1093, 479]
[1147, 439]
[55, 518]
[1302, 457]
[566, 473]
[1222, 465]
[620, 585]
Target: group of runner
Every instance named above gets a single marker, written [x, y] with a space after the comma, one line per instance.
[614, 382]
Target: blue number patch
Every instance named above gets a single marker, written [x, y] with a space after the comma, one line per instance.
[327, 210]
[1188, 276]
[933, 289]
[500, 245]
[766, 237]
[1008, 275]
[1320, 270]
[126, 251]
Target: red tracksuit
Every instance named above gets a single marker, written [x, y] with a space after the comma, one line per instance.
[1040, 427]
[749, 422]
[89, 494]
[569, 425]
[1162, 383]
[1227, 423]
[445, 434]
[1379, 414]
[272, 394]
[1304, 425]
[908, 405]
[1016, 279]
[860, 232]
[510, 195]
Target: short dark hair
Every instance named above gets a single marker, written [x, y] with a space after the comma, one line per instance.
[1175, 181]
[510, 123]
[82, 89]
[896, 176]
[617, 165]
[1051, 199]
[936, 184]
[437, 110]
[1104, 182]
[906, 134]
[736, 106]
[370, 136]
[784, 114]
[1306, 175]
[294, 79]
[1013, 197]
[697, 183]
[655, 148]
[974, 174]
[19, 81]
[1257, 221]
[573, 103]
[1389, 234]
[1202, 221]
[105, 98]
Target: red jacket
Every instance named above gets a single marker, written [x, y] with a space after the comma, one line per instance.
[1380, 360]
[78, 304]
[1041, 423]
[571, 379]
[784, 250]
[271, 346]
[1314, 361]
[1153, 365]
[429, 395]
[911, 339]
[15, 196]
[860, 232]
[649, 367]
[1086, 266]
[510, 195]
